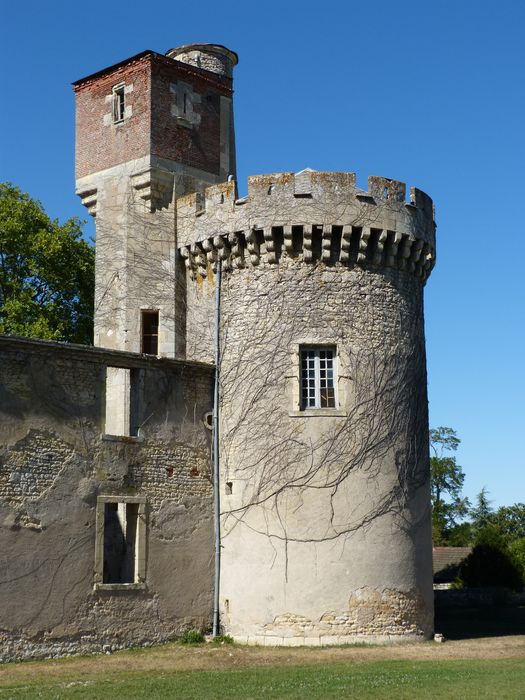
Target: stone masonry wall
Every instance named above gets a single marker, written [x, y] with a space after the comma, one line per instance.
[54, 463]
[330, 508]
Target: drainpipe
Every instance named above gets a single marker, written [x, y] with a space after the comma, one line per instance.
[216, 492]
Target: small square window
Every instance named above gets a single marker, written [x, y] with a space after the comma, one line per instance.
[317, 377]
[118, 103]
[120, 547]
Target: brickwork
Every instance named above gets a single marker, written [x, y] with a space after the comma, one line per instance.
[99, 144]
[172, 137]
[151, 127]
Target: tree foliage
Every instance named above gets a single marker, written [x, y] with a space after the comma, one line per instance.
[481, 513]
[491, 562]
[510, 521]
[447, 477]
[46, 272]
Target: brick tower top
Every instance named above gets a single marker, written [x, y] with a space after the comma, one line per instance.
[170, 107]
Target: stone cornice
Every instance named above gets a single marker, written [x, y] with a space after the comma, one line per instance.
[313, 216]
[103, 356]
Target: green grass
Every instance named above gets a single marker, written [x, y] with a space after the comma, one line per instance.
[415, 680]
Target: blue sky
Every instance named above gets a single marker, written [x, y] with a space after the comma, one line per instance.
[431, 93]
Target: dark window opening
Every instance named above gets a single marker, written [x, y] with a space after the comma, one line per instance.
[120, 542]
[150, 333]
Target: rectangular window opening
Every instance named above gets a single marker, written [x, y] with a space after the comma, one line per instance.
[122, 414]
[120, 546]
[317, 376]
[118, 103]
[150, 332]
[120, 543]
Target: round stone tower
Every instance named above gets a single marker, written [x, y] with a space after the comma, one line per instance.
[325, 504]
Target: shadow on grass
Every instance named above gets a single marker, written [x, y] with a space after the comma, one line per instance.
[469, 623]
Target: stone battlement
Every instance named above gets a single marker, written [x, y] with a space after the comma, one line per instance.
[317, 216]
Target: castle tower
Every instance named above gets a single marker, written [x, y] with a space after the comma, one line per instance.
[149, 129]
[326, 533]
[324, 464]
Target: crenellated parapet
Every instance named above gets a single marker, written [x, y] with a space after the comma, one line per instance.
[313, 216]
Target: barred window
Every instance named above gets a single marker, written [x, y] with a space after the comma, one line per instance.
[317, 377]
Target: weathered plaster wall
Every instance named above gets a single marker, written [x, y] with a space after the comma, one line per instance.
[53, 465]
[326, 533]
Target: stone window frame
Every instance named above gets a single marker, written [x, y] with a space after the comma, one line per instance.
[118, 103]
[140, 555]
[294, 380]
[124, 89]
[185, 101]
[318, 358]
[129, 401]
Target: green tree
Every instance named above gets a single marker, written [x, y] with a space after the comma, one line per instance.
[481, 513]
[446, 483]
[517, 551]
[510, 521]
[46, 272]
[491, 563]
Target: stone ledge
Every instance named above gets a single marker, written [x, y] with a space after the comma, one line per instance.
[318, 413]
[89, 353]
[102, 587]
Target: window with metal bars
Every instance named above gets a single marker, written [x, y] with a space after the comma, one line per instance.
[118, 103]
[317, 377]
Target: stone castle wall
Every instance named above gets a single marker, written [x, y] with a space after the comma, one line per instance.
[56, 461]
[326, 512]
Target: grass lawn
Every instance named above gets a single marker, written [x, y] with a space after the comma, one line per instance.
[414, 679]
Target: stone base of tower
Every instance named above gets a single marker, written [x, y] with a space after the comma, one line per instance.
[327, 640]
[372, 617]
